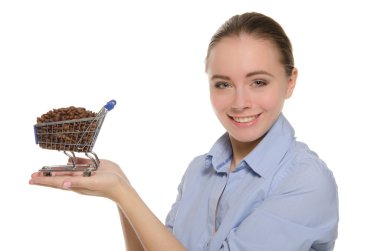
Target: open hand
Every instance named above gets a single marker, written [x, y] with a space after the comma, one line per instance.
[107, 181]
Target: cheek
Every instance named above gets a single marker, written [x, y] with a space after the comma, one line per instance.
[217, 105]
[218, 102]
[272, 100]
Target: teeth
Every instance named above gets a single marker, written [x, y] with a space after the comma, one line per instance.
[244, 119]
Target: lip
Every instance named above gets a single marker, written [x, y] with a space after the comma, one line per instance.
[244, 121]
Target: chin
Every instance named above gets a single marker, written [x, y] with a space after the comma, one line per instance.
[246, 138]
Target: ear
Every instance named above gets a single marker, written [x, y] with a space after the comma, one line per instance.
[291, 83]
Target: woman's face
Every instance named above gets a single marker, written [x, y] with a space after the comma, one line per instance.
[248, 85]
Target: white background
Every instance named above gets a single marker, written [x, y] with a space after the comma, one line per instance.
[148, 55]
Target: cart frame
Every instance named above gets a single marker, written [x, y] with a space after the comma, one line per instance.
[70, 136]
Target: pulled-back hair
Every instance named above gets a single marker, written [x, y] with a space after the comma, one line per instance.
[260, 26]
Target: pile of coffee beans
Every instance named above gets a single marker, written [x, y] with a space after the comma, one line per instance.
[67, 129]
[68, 113]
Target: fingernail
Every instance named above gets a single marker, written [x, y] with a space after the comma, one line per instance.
[66, 184]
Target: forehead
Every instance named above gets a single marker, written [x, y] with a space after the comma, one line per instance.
[243, 53]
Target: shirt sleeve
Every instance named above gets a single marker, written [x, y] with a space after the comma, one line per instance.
[302, 214]
[170, 218]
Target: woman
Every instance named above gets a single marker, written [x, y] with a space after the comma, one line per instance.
[257, 188]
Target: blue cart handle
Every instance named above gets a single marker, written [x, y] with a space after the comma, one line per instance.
[110, 105]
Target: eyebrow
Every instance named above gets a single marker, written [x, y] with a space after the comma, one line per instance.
[250, 74]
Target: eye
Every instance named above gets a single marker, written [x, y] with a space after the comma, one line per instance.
[259, 83]
[222, 85]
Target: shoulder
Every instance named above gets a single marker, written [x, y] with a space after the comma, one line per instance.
[197, 164]
[308, 165]
[304, 172]
[196, 168]
[305, 184]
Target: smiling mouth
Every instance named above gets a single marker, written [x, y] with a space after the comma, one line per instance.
[247, 119]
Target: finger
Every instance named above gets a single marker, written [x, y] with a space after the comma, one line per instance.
[52, 181]
[36, 174]
[59, 180]
[67, 173]
[41, 173]
[49, 186]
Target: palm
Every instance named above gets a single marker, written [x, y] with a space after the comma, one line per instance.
[105, 181]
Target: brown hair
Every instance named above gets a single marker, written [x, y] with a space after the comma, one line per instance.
[259, 25]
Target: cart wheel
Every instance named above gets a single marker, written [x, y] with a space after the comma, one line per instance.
[87, 173]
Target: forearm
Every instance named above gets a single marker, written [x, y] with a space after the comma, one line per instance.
[132, 242]
[153, 235]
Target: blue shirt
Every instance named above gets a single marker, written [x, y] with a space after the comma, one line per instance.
[281, 197]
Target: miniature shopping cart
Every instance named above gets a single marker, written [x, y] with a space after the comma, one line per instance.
[70, 136]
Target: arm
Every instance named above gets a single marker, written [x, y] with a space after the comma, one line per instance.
[301, 214]
[151, 232]
[132, 242]
[141, 227]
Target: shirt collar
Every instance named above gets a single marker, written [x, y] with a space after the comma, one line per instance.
[264, 159]
[220, 154]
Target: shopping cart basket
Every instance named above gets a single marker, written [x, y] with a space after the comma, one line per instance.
[70, 136]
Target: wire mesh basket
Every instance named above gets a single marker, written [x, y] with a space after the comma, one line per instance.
[70, 136]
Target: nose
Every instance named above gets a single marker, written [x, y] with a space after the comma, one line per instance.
[241, 99]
